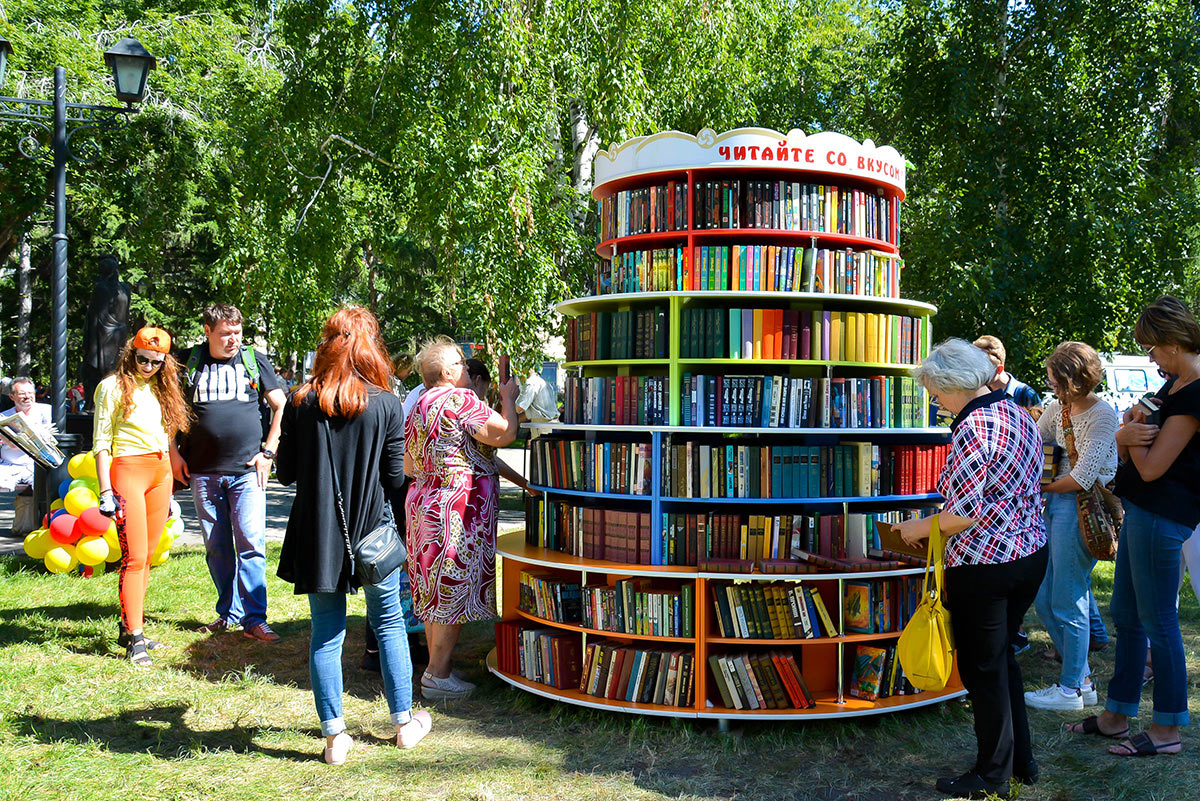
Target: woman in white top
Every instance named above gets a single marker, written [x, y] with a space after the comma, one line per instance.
[1064, 600]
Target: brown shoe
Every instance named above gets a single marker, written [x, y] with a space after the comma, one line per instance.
[260, 632]
[216, 627]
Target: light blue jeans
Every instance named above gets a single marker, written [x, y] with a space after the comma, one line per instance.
[1145, 593]
[1064, 600]
[325, 652]
[233, 522]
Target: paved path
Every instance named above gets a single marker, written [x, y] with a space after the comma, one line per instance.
[279, 505]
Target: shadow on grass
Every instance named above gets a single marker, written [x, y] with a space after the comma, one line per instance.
[75, 621]
[159, 731]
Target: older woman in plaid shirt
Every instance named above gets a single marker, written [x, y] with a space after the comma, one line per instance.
[994, 562]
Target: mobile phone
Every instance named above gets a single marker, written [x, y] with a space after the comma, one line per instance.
[503, 370]
[1149, 406]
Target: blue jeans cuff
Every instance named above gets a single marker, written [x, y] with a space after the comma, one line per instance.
[1171, 718]
[1129, 710]
[331, 727]
[400, 718]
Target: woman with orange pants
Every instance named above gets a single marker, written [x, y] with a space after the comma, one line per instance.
[139, 407]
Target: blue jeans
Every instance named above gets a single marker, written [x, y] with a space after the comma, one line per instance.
[233, 523]
[1095, 622]
[1064, 600]
[1143, 606]
[328, 611]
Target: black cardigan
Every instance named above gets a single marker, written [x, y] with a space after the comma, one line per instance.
[369, 451]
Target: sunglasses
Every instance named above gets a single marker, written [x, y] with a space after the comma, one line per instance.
[147, 361]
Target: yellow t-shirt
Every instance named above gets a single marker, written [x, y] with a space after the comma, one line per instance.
[140, 431]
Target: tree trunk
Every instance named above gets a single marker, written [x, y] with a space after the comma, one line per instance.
[370, 262]
[585, 142]
[999, 112]
[24, 304]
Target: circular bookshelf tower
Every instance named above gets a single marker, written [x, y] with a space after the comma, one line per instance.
[739, 423]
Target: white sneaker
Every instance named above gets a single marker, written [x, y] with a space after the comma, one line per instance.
[1090, 696]
[415, 730]
[433, 688]
[336, 754]
[1055, 697]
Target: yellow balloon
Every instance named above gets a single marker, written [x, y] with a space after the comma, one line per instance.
[58, 504]
[61, 559]
[91, 551]
[159, 557]
[37, 543]
[75, 465]
[110, 536]
[79, 500]
[98, 570]
[164, 543]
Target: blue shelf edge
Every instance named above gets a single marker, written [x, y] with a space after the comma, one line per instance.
[870, 499]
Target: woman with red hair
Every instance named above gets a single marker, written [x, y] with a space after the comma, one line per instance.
[139, 409]
[344, 421]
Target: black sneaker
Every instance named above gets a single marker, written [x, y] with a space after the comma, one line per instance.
[1027, 773]
[1020, 643]
[970, 785]
[370, 661]
[1096, 646]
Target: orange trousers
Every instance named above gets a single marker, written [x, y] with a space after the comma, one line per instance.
[142, 485]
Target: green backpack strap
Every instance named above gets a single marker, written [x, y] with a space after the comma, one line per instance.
[250, 361]
[193, 363]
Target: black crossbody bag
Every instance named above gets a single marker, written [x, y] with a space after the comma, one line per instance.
[383, 550]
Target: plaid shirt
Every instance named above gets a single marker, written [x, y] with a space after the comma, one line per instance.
[992, 475]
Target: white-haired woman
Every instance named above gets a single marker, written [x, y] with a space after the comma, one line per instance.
[451, 506]
[994, 561]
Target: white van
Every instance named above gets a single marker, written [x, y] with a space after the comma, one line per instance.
[1128, 378]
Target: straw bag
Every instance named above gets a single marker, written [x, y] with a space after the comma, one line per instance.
[1100, 511]
[925, 647]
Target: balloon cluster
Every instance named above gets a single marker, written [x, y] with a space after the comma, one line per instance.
[76, 536]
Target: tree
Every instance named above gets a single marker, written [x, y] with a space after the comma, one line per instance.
[1054, 192]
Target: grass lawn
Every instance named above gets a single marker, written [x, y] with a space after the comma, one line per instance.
[224, 717]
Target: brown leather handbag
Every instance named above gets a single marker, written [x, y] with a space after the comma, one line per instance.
[1100, 511]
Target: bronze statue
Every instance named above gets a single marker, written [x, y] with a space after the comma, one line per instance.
[107, 325]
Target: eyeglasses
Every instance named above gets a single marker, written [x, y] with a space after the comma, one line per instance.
[1149, 350]
[147, 361]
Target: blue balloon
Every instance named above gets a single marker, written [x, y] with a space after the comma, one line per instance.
[64, 487]
[57, 512]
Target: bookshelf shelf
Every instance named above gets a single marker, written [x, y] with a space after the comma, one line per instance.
[935, 431]
[592, 303]
[618, 635]
[619, 496]
[775, 235]
[850, 500]
[688, 184]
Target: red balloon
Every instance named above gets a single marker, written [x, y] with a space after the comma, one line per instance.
[64, 530]
[94, 523]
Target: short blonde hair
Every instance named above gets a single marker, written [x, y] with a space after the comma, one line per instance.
[994, 348]
[955, 365]
[1076, 369]
[431, 359]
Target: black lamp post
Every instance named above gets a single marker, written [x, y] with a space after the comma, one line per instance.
[56, 123]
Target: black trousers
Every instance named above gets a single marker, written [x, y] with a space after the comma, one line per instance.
[987, 604]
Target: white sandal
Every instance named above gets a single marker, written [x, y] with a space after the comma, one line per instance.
[415, 730]
[335, 754]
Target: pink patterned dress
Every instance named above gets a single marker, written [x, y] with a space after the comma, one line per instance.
[451, 508]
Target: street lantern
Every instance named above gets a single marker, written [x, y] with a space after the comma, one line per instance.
[5, 52]
[131, 64]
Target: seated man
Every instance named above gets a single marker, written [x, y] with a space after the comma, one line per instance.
[16, 467]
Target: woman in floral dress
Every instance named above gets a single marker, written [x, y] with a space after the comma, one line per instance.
[451, 507]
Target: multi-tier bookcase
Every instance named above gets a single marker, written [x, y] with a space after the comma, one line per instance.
[824, 158]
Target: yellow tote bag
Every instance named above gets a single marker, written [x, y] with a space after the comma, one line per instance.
[925, 647]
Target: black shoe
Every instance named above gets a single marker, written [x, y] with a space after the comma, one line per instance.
[969, 785]
[1020, 643]
[1026, 774]
[370, 661]
[1096, 646]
